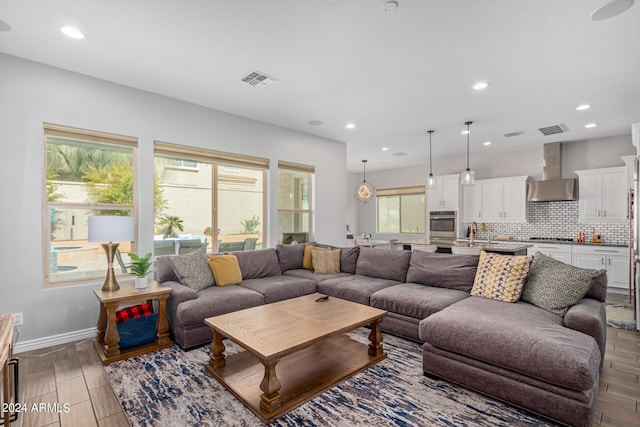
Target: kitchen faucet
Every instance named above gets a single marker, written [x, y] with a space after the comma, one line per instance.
[473, 229]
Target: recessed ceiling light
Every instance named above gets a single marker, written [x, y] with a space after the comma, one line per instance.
[464, 132]
[611, 9]
[390, 7]
[590, 125]
[74, 33]
[583, 107]
[487, 143]
[350, 125]
[481, 85]
[385, 148]
[315, 122]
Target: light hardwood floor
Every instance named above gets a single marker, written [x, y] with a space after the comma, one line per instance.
[73, 373]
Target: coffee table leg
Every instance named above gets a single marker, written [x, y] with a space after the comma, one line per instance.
[270, 399]
[217, 351]
[163, 326]
[375, 338]
[102, 324]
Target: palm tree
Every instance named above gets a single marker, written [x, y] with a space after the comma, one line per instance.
[171, 222]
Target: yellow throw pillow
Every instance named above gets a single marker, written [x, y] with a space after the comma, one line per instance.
[226, 269]
[307, 261]
[326, 262]
[501, 277]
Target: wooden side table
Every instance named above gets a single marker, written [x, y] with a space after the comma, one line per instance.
[107, 341]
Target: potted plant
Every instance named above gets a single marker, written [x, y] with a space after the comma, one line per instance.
[140, 267]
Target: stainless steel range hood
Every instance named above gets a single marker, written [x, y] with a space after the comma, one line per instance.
[552, 187]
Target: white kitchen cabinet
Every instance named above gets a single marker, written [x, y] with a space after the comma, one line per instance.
[446, 197]
[557, 251]
[496, 200]
[472, 203]
[602, 195]
[614, 259]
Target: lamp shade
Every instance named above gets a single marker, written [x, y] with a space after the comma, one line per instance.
[110, 229]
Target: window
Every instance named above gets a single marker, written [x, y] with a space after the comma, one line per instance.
[87, 173]
[401, 210]
[294, 202]
[207, 199]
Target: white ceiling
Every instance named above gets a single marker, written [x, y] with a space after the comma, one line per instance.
[395, 75]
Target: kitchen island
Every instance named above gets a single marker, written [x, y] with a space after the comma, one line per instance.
[501, 247]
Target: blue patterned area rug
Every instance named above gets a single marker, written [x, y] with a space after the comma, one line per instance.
[171, 388]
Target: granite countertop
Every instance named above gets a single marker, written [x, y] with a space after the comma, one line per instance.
[515, 242]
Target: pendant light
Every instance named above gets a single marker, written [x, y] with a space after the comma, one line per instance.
[468, 176]
[431, 180]
[364, 190]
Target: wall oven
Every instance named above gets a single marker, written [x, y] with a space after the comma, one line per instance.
[443, 226]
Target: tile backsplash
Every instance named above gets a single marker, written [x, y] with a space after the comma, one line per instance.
[555, 220]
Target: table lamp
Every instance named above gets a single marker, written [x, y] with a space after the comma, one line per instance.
[110, 229]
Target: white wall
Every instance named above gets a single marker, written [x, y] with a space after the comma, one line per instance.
[33, 93]
[578, 155]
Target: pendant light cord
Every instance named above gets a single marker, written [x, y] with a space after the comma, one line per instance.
[430, 164]
[468, 132]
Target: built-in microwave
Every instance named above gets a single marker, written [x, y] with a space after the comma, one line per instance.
[443, 225]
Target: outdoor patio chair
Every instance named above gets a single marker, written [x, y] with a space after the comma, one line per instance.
[191, 245]
[249, 243]
[164, 247]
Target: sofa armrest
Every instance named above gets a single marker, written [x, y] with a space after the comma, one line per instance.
[589, 316]
[179, 294]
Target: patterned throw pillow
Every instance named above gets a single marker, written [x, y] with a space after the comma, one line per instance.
[326, 261]
[556, 286]
[500, 277]
[226, 269]
[193, 269]
[307, 262]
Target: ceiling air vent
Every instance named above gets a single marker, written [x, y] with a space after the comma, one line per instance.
[399, 153]
[258, 79]
[552, 130]
[516, 133]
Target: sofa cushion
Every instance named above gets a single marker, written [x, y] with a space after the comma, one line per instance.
[164, 270]
[214, 301]
[260, 263]
[598, 289]
[500, 277]
[312, 275]
[349, 259]
[326, 262]
[383, 263]
[226, 270]
[415, 300]
[290, 256]
[356, 288]
[443, 270]
[556, 286]
[278, 288]
[307, 260]
[519, 337]
[193, 269]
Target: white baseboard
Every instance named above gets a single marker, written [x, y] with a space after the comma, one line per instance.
[65, 338]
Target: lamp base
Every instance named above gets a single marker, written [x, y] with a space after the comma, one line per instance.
[110, 283]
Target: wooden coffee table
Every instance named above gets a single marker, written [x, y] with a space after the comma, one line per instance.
[295, 349]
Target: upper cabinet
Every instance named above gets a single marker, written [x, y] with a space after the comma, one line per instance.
[446, 197]
[496, 200]
[602, 195]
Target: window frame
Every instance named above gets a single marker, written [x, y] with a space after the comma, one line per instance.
[399, 192]
[216, 159]
[96, 137]
[310, 171]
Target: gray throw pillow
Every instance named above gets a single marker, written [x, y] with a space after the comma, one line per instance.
[193, 269]
[554, 285]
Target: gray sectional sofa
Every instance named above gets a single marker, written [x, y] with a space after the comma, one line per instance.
[517, 352]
